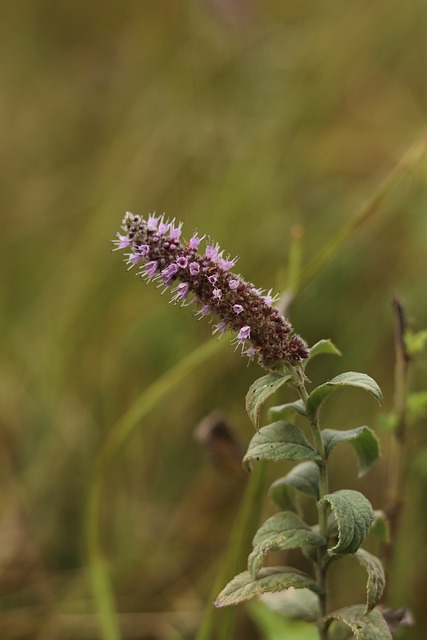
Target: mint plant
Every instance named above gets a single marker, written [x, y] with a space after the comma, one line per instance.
[205, 282]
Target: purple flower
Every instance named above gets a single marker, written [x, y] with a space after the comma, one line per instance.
[217, 294]
[244, 334]
[150, 269]
[152, 223]
[181, 292]
[182, 262]
[122, 242]
[194, 268]
[194, 242]
[211, 252]
[175, 232]
[169, 272]
[259, 327]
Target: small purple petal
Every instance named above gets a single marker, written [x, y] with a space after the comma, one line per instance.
[152, 223]
[212, 279]
[226, 264]
[220, 328]
[211, 252]
[269, 299]
[181, 291]
[151, 268]
[144, 250]
[194, 242]
[250, 352]
[237, 308]
[182, 262]
[163, 227]
[169, 272]
[217, 294]
[134, 258]
[194, 268]
[175, 232]
[244, 333]
[122, 242]
[233, 284]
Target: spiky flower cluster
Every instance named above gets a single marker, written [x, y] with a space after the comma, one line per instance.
[155, 245]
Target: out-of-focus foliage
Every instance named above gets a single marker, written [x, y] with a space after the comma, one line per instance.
[242, 118]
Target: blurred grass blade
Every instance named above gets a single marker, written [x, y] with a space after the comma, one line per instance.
[99, 575]
[221, 623]
[408, 161]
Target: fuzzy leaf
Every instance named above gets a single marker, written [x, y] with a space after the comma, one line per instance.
[364, 626]
[296, 604]
[376, 578]
[303, 477]
[349, 379]
[380, 526]
[280, 441]
[270, 579]
[323, 347]
[363, 440]
[286, 411]
[354, 515]
[282, 531]
[260, 391]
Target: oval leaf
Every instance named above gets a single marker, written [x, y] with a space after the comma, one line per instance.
[303, 477]
[363, 440]
[280, 441]
[349, 379]
[364, 626]
[376, 578]
[323, 347]
[270, 579]
[282, 531]
[260, 391]
[286, 411]
[353, 514]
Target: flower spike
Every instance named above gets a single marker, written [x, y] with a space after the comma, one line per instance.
[156, 247]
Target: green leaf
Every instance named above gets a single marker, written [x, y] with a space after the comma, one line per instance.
[303, 477]
[363, 440]
[273, 626]
[323, 347]
[260, 391]
[270, 579]
[376, 578]
[286, 411]
[380, 526]
[280, 441]
[297, 604]
[282, 531]
[364, 626]
[353, 514]
[349, 379]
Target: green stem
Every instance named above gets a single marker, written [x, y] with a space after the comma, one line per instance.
[321, 565]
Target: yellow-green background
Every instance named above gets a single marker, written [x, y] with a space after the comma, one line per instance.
[241, 118]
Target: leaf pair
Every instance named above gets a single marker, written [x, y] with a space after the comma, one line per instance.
[285, 441]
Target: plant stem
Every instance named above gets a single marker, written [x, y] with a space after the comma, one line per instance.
[321, 565]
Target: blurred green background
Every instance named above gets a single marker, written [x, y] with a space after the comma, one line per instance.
[242, 118]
